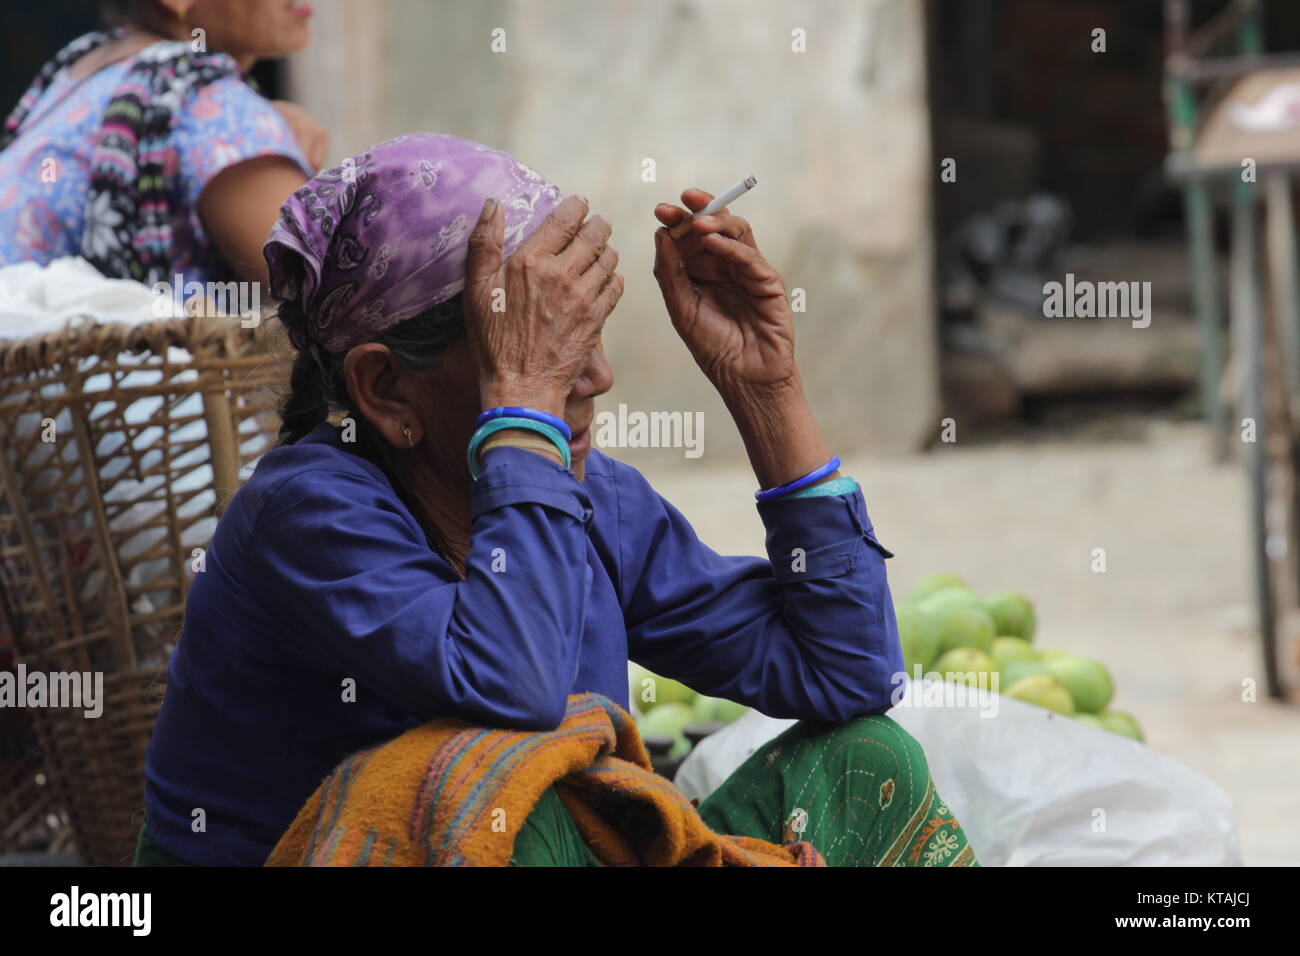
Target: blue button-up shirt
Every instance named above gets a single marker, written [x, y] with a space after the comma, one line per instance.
[323, 624]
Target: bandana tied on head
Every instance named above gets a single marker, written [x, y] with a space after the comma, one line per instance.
[384, 236]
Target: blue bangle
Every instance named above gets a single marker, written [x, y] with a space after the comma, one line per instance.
[827, 489]
[513, 411]
[811, 478]
[501, 424]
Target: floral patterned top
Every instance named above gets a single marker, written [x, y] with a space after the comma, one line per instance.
[45, 172]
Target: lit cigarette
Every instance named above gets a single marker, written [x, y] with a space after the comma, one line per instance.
[717, 205]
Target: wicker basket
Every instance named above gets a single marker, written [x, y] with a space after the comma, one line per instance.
[155, 425]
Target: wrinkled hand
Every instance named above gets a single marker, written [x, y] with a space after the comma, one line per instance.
[312, 138]
[533, 321]
[725, 300]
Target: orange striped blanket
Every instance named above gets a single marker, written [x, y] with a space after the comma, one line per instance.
[452, 794]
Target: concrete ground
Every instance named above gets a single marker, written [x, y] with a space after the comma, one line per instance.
[1172, 615]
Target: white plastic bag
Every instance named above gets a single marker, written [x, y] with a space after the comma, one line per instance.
[1030, 787]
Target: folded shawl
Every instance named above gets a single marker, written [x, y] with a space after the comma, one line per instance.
[451, 794]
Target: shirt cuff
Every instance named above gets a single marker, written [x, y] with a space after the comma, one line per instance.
[809, 538]
[513, 476]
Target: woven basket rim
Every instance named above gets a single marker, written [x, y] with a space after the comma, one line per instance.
[84, 337]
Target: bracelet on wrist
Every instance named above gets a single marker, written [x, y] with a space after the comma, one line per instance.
[500, 441]
[494, 425]
[514, 411]
[814, 476]
[827, 489]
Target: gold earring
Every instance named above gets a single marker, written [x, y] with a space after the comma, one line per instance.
[409, 440]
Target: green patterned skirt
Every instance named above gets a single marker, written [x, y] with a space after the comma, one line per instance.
[859, 792]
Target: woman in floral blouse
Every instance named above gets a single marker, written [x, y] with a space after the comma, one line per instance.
[147, 150]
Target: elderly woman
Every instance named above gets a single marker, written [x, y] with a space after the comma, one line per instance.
[454, 546]
[146, 150]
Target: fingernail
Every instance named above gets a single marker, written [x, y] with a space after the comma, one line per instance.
[583, 199]
[489, 208]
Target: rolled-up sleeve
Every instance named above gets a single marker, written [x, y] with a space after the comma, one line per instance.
[357, 586]
[809, 633]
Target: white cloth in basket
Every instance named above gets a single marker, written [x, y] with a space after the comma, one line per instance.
[36, 299]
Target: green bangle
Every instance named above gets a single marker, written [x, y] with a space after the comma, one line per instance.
[500, 424]
[836, 486]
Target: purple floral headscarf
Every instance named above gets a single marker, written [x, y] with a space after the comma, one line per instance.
[384, 236]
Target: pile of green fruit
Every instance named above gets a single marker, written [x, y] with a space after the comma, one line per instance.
[665, 708]
[946, 627]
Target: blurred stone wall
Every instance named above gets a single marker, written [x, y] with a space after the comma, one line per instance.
[711, 90]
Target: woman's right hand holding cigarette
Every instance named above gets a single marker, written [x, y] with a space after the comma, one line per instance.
[728, 304]
[726, 301]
